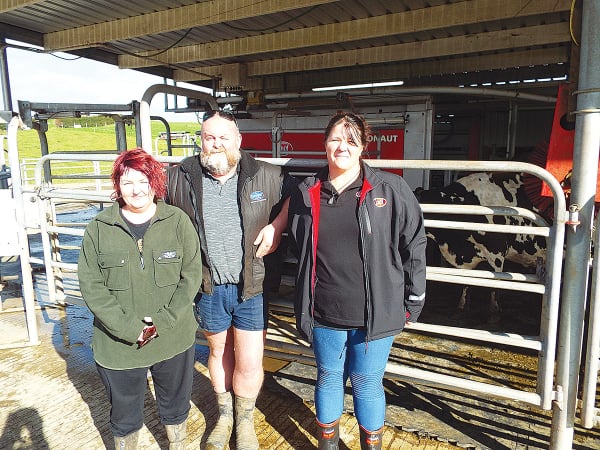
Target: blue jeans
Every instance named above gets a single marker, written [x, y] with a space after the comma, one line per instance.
[343, 354]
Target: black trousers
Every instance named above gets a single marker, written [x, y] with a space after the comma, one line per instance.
[126, 390]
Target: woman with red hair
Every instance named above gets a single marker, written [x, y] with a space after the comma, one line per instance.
[139, 270]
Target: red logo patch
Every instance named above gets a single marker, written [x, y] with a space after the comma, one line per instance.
[379, 202]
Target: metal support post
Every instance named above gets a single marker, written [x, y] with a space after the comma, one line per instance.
[583, 190]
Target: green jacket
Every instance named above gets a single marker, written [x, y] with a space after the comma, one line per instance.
[120, 293]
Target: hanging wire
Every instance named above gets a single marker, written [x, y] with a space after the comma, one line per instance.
[273, 27]
[571, 13]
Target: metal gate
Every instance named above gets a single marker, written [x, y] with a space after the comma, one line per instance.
[549, 287]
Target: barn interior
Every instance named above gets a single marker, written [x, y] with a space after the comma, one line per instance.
[491, 68]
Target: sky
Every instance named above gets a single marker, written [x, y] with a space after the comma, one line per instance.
[41, 77]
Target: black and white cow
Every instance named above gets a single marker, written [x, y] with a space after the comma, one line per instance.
[465, 249]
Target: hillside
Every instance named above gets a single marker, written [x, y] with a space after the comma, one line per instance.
[91, 136]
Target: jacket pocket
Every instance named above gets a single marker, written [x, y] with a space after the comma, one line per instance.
[258, 267]
[115, 268]
[167, 266]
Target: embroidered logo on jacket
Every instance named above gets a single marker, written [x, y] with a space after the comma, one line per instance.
[169, 254]
[379, 202]
[257, 196]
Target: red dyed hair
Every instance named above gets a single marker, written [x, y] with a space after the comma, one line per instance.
[142, 161]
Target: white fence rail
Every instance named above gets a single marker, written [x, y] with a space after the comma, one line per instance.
[545, 343]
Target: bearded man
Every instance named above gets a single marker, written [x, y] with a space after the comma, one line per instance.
[231, 199]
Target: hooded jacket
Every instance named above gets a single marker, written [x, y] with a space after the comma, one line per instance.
[260, 188]
[393, 241]
[120, 290]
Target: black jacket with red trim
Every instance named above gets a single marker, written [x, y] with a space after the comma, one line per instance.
[393, 245]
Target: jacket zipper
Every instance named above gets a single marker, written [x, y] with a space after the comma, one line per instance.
[313, 255]
[244, 237]
[364, 221]
[198, 220]
[140, 246]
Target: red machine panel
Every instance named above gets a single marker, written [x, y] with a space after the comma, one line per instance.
[385, 144]
[559, 161]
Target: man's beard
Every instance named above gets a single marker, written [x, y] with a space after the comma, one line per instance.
[220, 163]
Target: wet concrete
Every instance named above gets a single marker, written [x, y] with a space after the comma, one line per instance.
[52, 397]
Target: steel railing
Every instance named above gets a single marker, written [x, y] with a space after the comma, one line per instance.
[549, 287]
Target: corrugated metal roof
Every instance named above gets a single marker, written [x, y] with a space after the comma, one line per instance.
[274, 43]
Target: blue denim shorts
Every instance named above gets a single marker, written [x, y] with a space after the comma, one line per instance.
[224, 308]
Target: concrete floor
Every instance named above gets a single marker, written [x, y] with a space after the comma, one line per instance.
[52, 397]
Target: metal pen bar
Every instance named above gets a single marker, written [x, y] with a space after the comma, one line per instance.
[498, 284]
[484, 211]
[508, 276]
[487, 227]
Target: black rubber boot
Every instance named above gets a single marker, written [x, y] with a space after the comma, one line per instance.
[328, 435]
[370, 440]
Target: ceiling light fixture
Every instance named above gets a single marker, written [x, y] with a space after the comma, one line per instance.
[358, 86]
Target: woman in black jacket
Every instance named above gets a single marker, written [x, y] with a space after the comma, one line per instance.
[360, 241]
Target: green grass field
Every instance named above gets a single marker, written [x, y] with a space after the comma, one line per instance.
[91, 139]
